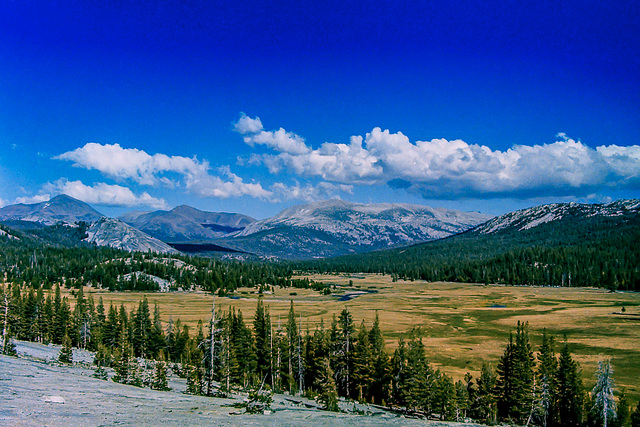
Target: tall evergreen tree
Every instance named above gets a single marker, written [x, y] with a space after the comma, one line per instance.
[546, 380]
[66, 353]
[262, 332]
[514, 385]
[142, 326]
[484, 406]
[381, 377]
[362, 365]
[569, 392]
[343, 355]
[604, 405]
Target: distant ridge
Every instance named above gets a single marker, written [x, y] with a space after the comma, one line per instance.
[335, 227]
[185, 224]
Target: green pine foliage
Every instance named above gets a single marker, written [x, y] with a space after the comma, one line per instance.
[66, 352]
[514, 384]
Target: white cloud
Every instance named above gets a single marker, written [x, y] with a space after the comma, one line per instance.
[441, 168]
[308, 193]
[104, 194]
[214, 186]
[28, 200]
[279, 140]
[246, 125]
[131, 163]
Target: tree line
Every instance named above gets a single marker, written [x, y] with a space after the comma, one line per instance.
[342, 359]
[595, 252]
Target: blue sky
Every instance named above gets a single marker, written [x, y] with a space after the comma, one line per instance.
[255, 106]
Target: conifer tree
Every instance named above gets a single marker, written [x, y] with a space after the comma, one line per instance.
[514, 385]
[362, 365]
[546, 380]
[569, 392]
[328, 393]
[462, 400]
[157, 341]
[604, 405]
[484, 406]
[381, 378]
[262, 332]
[111, 331]
[344, 356]
[4, 316]
[142, 326]
[66, 353]
[159, 381]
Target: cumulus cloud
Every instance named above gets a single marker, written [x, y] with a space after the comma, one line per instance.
[442, 168]
[104, 194]
[246, 125]
[28, 200]
[309, 192]
[279, 140]
[234, 186]
[142, 168]
[130, 163]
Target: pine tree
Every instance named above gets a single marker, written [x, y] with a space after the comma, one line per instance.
[462, 400]
[343, 355]
[484, 407]
[381, 377]
[604, 405]
[444, 402]
[142, 327]
[546, 380]
[156, 342]
[328, 393]
[262, 332]
[569, 392]
[66, 353]
[362, 365]
[514, 386]
[159, 381]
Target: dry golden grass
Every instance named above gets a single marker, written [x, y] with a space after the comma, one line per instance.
[463, 324]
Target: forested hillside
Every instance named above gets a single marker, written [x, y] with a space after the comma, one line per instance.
[45, 256]
[576, 250]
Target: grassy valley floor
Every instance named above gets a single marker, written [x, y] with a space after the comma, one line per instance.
[463, 324]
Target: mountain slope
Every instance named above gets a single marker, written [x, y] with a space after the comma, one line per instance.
[336, 227]
[62, 208]
[116, 234]
[560, 244]
[184, 224]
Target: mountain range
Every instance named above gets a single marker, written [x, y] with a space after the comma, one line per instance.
[185, 224]
[392, 233]
[563, 244]
[334, 227]
[322, 229]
